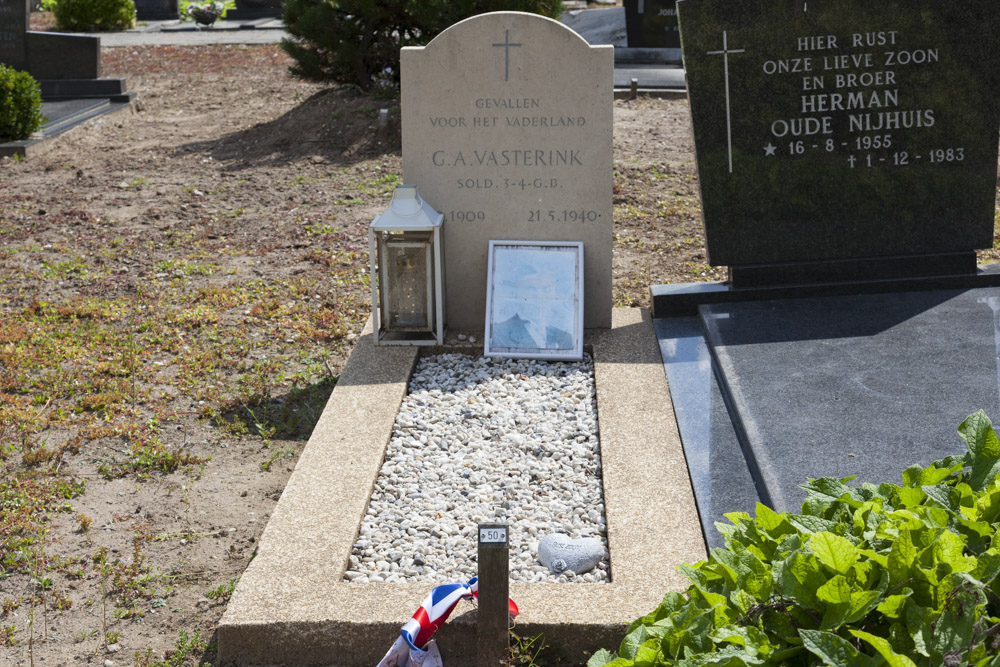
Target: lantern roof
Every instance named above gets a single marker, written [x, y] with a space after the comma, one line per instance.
[407, 211]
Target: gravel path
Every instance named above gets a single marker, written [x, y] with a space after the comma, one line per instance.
[479, 440]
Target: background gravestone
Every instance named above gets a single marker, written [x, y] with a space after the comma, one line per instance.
[45, 55]
[13, 33]
[157, 10]
[652, 24]
[68, 70]
[843, 130]
[251, 10]
[506, 121]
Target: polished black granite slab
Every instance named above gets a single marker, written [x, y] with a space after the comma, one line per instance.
[58, 111]
[683, 299]
[860, 385]
[720, 476]
[840, 129]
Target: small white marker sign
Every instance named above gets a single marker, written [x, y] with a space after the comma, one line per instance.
[493, 534]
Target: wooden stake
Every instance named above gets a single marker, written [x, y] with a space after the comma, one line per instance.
[493, 637]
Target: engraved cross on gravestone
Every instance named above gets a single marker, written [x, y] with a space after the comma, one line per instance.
[725, 66]
[506, 46]
[13, 33]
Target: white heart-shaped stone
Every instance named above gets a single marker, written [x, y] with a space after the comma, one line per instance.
[559, 553]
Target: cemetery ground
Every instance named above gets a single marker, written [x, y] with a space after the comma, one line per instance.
[180, 286]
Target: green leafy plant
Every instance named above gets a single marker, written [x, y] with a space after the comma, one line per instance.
[223, 591]
[20, 104]
[84, 521]
[101, 558]
[357, 41]
[83, 635]
[94, 15]
[184, 649]
[864, 576]
[530, 651]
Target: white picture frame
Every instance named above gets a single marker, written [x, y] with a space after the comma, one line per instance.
[534, 300]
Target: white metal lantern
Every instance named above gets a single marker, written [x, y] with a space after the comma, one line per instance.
[407, 272]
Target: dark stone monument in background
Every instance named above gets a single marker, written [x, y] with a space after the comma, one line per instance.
[45, 55]
[847, 159]
[652, 24]
[157, 10]
[249, 10]
[67, 67]
[13, 33]
[54, 56]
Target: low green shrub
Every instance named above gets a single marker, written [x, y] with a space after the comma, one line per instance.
[20, 104]
[864, 576]
[357, 41]
[94, 15]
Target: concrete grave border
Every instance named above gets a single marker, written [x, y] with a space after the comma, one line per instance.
[292, 605]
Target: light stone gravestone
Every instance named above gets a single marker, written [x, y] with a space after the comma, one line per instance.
[507, 131]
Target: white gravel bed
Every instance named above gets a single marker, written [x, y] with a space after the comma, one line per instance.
[480, 440]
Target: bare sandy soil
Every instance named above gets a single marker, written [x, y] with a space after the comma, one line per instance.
[180, 285]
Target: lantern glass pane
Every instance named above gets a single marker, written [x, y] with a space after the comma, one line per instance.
[406, 274]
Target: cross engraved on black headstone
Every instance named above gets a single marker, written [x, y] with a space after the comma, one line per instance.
[506, 46]
[725, 63]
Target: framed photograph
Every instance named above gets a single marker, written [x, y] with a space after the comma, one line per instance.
[534, 300]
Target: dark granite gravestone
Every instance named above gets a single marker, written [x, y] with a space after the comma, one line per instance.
[56, 56]
[652, 24]
[157, 10]
[847, 158]
[45, 55]
[834, 131]
[250, 10]
[13, 33]
[68, 70]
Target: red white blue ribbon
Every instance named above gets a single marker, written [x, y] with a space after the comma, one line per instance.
[412, 647]
[436, 608]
